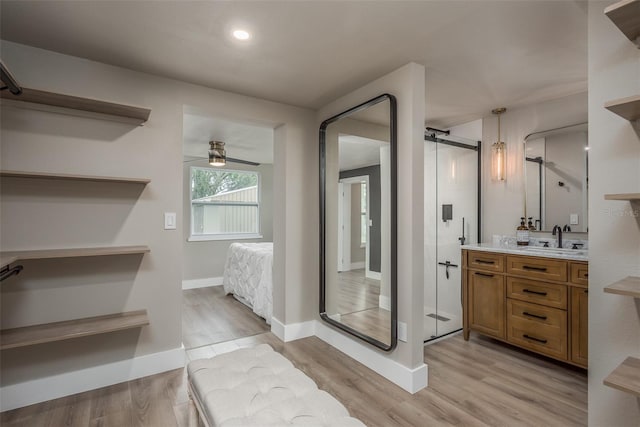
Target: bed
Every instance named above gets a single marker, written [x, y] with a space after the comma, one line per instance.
[248, 276]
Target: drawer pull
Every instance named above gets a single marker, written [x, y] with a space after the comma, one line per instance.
[586, 275]
[527, 291]
[528, 267]
[484, 274]
[484, 261]
[535, 339]
[534, 315]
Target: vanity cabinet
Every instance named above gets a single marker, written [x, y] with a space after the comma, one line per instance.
[533, 302]
[486, 303]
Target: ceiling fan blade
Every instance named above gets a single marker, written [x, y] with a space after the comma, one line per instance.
[229, 159]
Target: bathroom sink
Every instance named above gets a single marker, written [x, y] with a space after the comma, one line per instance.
[556, 251]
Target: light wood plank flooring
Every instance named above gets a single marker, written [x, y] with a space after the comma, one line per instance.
[479, 383]
[357, 292]
[209, 316]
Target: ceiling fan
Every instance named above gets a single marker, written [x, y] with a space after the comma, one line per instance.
[218, 156]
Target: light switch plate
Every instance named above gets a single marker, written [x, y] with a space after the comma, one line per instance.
[402, 331]
[169, 220]
[573, 219]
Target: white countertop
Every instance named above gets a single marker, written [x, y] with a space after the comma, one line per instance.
[569, 254]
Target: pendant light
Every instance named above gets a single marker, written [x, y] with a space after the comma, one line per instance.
[217, 154]
[498, 153]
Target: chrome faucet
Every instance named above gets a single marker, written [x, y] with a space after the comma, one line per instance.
[559, 230]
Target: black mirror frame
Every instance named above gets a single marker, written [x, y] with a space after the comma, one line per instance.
[393, 217]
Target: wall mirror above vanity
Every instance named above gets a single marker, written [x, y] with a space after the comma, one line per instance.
[556, 178]
[358, 221]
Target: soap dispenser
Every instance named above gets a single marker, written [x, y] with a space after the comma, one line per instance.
[522, 233]
[531, 226]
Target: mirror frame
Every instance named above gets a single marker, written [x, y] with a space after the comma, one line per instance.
[393, 112]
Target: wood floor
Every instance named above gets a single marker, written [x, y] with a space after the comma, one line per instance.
[478, 383]
[209, 316]
[357, 292]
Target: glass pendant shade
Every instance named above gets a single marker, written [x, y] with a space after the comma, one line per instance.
[499, 153]
[217, 154]
[498, 161]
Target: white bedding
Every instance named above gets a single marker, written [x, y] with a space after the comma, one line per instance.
[248, 275]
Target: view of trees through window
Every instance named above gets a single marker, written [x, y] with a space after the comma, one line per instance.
[224, 202]
[209, 182]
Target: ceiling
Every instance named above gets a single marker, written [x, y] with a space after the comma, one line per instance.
[478, 54]
[242, 141]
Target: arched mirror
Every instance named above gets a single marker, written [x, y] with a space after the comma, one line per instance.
[358, 286]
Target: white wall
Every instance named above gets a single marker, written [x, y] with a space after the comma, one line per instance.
[503, 202]
[407, 84]
[206, 259]
[614, 227]
[71, 214]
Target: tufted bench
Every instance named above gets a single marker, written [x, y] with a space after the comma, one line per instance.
[260, 387]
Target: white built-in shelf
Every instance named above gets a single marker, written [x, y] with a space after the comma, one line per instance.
[627, 108]
[626, 15]
[626, 377]
[629, 286]
[75, 105]
[14, 256]
[71, 177]
[623, 196]
[58, 331]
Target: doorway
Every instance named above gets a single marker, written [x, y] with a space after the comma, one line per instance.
[457, 163]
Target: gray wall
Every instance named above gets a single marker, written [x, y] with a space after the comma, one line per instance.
[206, 259]
[373, 172]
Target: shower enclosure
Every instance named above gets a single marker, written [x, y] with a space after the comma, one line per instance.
[452, 218]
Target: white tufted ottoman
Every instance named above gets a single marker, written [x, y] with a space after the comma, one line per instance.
[259, 387]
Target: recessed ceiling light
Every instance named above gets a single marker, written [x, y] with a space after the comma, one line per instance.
[241, 35]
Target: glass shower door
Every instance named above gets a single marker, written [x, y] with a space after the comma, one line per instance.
[456, 223]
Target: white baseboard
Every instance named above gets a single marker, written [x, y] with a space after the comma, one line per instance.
[68, 383]
[384, 302]
[373, 275]
[411, 380]
[357, 265]
[294, 331]
[201, 283]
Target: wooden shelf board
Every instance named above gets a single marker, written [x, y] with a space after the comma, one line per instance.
[624, 196]
[79, 106]
[626, 377]
[626, 16]
[629, 286]
[6, 260]
[71, 177]
[74, 252]
[58, 331]
[628, 108]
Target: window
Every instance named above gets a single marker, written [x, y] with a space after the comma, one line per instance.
[363, 214]
[225, 204]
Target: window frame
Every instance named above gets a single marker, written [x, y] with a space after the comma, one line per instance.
[225, 236]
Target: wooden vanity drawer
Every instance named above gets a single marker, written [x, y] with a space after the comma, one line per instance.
[579, 273]
[537, 328]
[537, 268]
[486, 261]
[533, 291]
